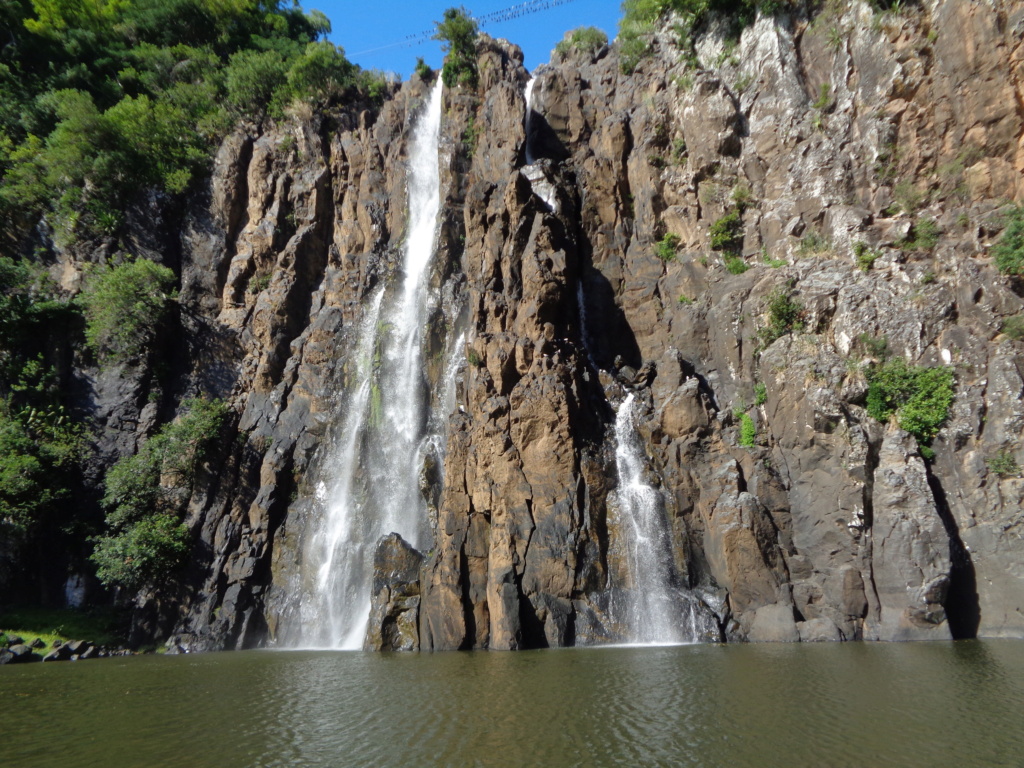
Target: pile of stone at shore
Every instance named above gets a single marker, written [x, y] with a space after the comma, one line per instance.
[17, 651]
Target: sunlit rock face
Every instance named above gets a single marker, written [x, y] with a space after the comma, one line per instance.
[553, 297]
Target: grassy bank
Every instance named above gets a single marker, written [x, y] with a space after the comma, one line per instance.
[102, 626]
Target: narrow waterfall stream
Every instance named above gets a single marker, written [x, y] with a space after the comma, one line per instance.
[651, 611]
[528, 97]
[370, 485]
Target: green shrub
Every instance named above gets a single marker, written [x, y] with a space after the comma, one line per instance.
[814, 242]
[734, 264]
[423, 70]
[457, 32]
[924, 236]
[1014, 327]
[98, 106]
[146, 495]
[726, 234]
[760, 394]
[783, 317]
[588, 40]
[124, 307]
[748, 432]
[474, 359]
[866, 256]
[1003, 464]
[1009, 251]
[919, 397]
[666, 247]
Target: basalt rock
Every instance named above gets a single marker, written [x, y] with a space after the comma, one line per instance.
[394, 606]
[826, 525]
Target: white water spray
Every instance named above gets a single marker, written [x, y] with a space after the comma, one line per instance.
[651, 613]
[373, 488]
[528, 97]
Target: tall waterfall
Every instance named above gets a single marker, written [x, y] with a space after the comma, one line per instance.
[651, 612]
[528, 98]
[370, 484]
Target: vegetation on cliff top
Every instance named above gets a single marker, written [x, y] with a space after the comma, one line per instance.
[457, 32]
[102, 100]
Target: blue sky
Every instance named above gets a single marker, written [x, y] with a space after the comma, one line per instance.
[361, 26]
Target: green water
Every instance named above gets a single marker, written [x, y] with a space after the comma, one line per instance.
[858, 705]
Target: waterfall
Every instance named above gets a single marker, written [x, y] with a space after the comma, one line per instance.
[650, 614]
[371, 485]
[528, 97]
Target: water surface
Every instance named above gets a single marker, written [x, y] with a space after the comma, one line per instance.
[857, 705]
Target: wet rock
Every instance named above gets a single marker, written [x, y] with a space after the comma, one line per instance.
[395, 604]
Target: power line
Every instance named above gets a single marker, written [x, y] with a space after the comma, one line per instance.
[495, 17]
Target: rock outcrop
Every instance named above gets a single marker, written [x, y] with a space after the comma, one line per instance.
[831, 137]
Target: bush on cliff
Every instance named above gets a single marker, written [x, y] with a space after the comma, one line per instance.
[124, 307]
[588, 40]
[640, 16]
[146, 496]
[457, 32]
[919, 397]
[1009, 251]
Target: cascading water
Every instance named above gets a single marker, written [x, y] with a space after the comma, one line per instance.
[373, 486]
[654, 609]
[650, 612]
[528, 97]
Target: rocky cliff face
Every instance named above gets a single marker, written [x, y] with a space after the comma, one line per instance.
[831, 138]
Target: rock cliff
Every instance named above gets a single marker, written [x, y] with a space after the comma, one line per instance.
[861, 163]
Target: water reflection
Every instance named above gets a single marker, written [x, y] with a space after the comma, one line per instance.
[857, 705]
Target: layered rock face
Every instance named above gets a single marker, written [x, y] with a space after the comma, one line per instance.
[829, 138]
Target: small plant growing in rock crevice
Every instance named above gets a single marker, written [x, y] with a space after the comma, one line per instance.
[666, 248]
[1003, 464]
[726, 233]
[1009, 251]
[474, 359]
[748, 431]
[760, 394]
[1014, 327]
[866, 256]
[784, 316]
[920, 398]
[734, 264]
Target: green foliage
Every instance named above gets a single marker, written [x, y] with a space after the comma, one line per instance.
[783, 316]
[760, 394]
[742, 197]
[474, 359]
[471, 136]
[1003, 464]
[457, 32]
[103, 626]
[876, 347]
[102, 100]
[1014, 327]
[666, 247]
[586, 40]
[824, 98]
[639, 18]
[146, 495]
[908, 197]
[423, 70]
[748, 431]
[924, 236]
[919, 397]
[866, 256]
[1009, 251]
[727, 233]
[813, 243]
[124, 307]
[734, 264]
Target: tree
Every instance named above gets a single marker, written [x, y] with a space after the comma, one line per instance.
[457, 32]
[124, 307]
